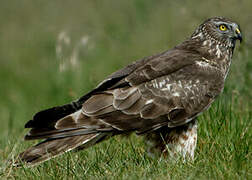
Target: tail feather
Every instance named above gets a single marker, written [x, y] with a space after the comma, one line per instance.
[53, 147]
[58, 133]
[71, 125]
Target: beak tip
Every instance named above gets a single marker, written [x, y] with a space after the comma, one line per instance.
[240, 38]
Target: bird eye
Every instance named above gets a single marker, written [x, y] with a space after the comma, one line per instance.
[223, 27]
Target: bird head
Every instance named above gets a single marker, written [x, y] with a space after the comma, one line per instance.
[219, 29]
[222, 30]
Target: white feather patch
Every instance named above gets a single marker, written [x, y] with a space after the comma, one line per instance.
[149, 101]
[76, 115]
[202, 64]
[176, 94]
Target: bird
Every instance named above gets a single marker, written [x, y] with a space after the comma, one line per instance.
[158, 97]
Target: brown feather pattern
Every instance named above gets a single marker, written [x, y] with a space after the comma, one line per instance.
[161, 94]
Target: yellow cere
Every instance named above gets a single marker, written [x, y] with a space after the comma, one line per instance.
[223, 27]
[238, 31]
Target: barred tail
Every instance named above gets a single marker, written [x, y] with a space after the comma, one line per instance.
[53, 147]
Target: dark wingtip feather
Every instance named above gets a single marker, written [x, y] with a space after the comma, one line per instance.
[29, 124]
[47, 117]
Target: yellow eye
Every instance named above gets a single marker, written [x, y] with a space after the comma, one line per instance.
[223, 27]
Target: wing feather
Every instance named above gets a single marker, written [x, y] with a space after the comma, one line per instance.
[179, 97]
[124, 102]
[159, 90]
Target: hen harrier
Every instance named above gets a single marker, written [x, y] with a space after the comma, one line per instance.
[159, 96]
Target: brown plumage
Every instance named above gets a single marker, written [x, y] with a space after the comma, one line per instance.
[159, 96]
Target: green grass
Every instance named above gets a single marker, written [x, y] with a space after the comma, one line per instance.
[119, 32]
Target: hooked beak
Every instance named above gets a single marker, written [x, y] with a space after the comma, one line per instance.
[238, 34]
